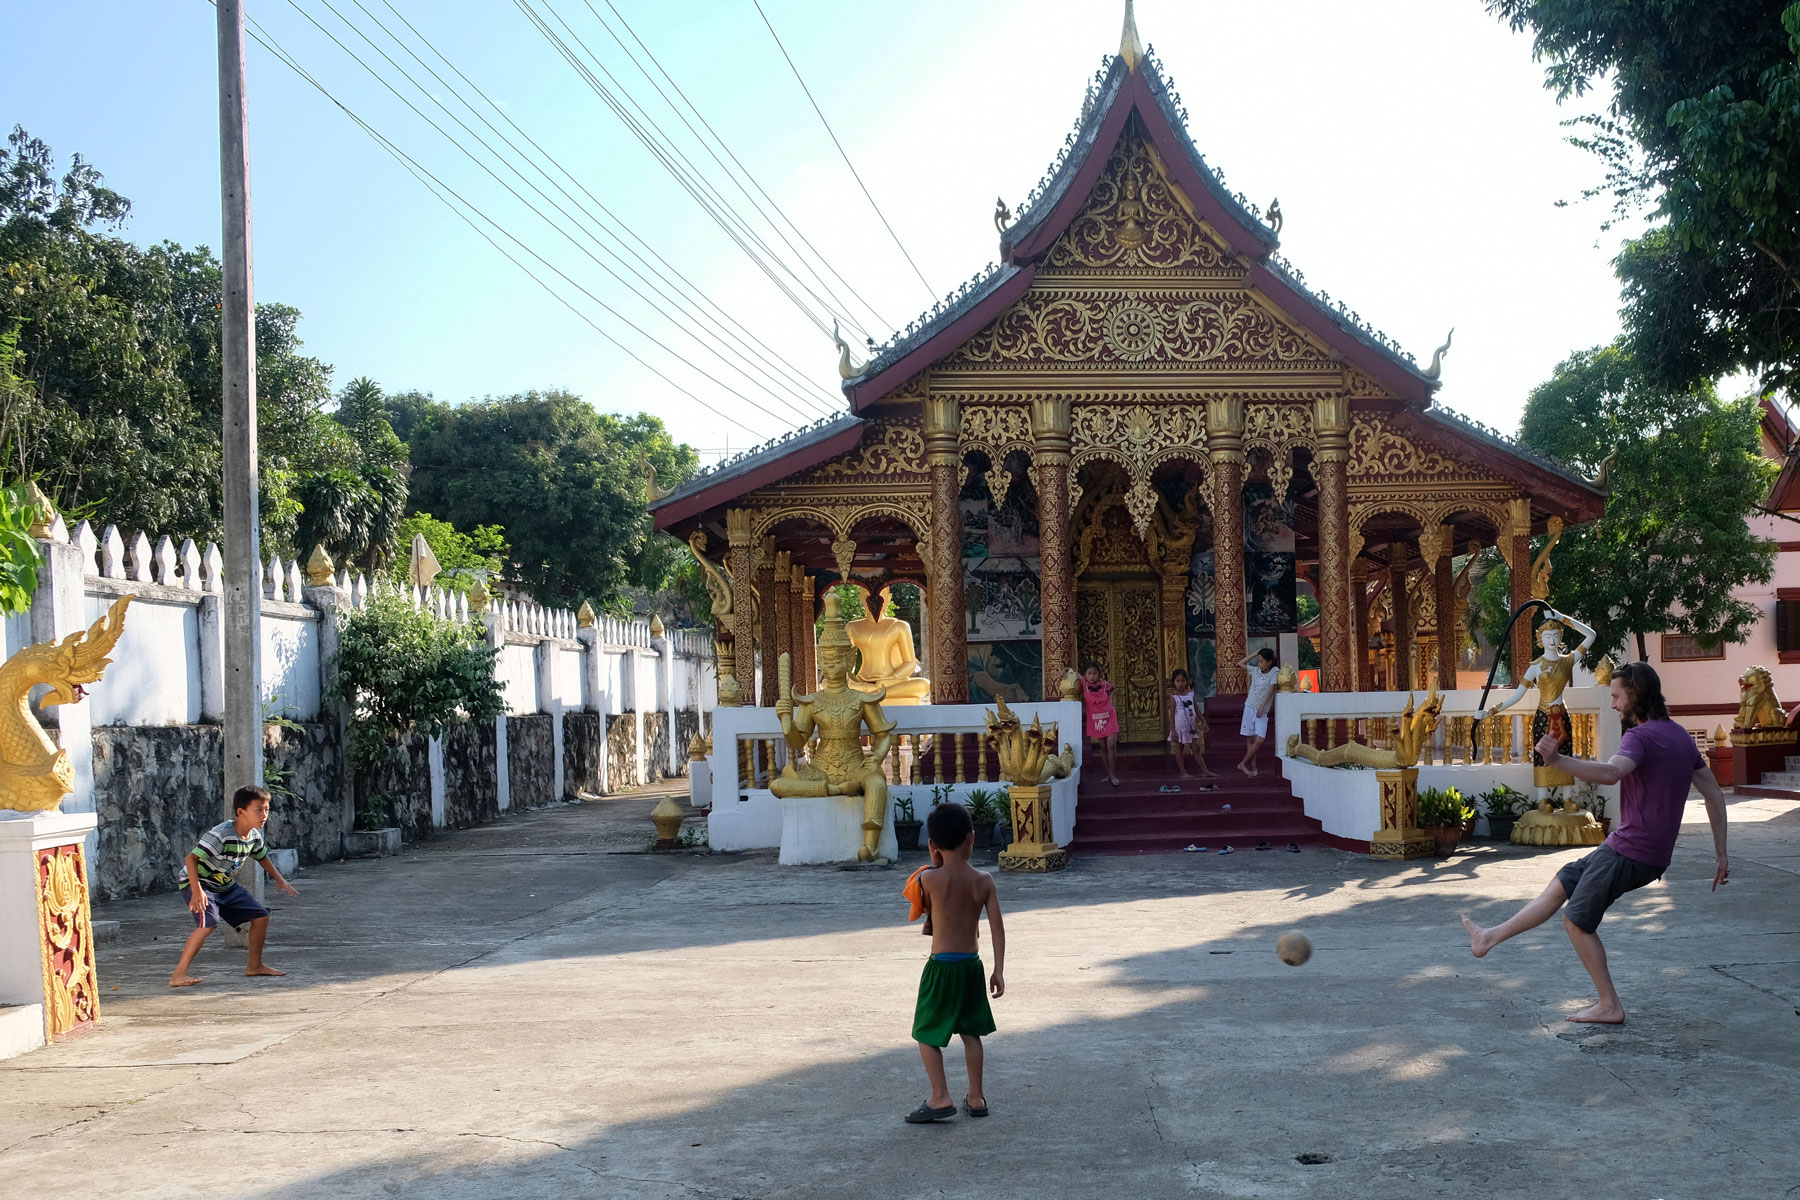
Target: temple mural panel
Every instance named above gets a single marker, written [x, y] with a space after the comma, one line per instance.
[1002, 600]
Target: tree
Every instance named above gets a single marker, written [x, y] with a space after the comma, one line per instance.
[564, 481]
[1673, 543]
[1703, 128]
[351, 480]
[462, 557]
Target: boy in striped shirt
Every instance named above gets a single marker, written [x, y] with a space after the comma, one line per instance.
[212, 892]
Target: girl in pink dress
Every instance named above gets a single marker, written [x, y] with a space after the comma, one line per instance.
[1102, 719]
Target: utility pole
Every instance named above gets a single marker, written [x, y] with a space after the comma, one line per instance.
[242, 608]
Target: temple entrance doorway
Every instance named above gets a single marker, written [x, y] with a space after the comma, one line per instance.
[1116, 626]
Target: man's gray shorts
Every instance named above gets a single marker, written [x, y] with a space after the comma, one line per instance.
[1594, 882]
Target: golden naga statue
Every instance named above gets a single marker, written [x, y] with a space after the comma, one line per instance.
[1546, 826]
[34, 774]
[890, 665]
[1027, 756]
[1759, 709]
[839, 765]
[1551, 671]
[1416, 725]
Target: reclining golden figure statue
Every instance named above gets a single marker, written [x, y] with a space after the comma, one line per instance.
[1415, 726]
[838, 766]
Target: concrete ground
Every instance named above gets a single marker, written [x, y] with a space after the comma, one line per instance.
[537, 1008]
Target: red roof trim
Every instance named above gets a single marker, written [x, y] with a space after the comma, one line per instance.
[941, 343]
[773, 470]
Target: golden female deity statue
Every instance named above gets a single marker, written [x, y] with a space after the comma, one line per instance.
[1551, 671]
[890, 665]
[839, 765]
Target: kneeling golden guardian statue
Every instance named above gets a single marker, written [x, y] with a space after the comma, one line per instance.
[839, 766]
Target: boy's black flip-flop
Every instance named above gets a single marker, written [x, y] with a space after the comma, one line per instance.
[925, 1114]
[973, 1111]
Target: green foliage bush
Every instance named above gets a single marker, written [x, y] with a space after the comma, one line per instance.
[403, 672]
[20, 557]
[1444, 808]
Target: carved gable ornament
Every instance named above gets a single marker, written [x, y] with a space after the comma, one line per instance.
[1135, 218]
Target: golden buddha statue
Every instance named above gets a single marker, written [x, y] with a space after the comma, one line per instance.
[889, 664]
[1551, 671]
[838, 766]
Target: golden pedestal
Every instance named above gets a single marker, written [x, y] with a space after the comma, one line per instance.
[1400, 835]
[1032, 848]
[667, 817]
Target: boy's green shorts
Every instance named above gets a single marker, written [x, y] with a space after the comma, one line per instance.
[952, 1000]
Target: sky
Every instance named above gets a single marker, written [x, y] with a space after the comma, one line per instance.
[1417, 157]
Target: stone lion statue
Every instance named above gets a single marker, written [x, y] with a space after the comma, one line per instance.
[1759, 709]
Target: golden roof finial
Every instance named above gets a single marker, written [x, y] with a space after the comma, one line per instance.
[656, 625]
[1130, 48]
[46, 511]
[319, 568]
[584, 616]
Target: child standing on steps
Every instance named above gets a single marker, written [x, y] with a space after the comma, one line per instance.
[952, 996]
[1102, 718]
[1185, 729]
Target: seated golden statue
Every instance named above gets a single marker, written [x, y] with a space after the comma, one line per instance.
[839, 766]
[889, 663]
[1545, 826]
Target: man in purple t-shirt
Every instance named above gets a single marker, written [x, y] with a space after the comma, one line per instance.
[1656, 764]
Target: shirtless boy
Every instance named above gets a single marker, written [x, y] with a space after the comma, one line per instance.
[951, 996]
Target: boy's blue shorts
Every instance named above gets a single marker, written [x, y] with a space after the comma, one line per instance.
[235, 904]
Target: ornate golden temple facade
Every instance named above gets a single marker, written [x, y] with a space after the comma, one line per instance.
[1136, 441]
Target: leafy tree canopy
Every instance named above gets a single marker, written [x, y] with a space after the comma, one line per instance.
[564, 482]
[1703, 127]
[462, 557]
[1673, 543]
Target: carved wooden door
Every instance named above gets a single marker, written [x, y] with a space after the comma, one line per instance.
[1117, 624]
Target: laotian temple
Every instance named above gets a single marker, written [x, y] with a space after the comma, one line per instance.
[1138, 440]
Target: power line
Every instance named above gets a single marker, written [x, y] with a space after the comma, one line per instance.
[745, 171]
[699, 297]
[632, 325]
[663, 149]
[842, 154]
[433, 185]
[803, 414]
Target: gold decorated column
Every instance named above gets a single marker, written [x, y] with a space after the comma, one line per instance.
[944, 573]
[800, 623]
[781, 592]
[1400, 678]
[743, 600]
[1337, 644]
[767, 615]
[1225, 443]
[1515, 544]
[1051, 428]
[1449, 642]
[1359, 634]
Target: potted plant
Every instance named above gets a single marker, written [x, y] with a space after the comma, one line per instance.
[1443, 813]
[984, 812]
[906, 823]
[1502, 806]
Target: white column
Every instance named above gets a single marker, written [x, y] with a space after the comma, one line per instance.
[496, 633]
[543, 661]
[665, 699]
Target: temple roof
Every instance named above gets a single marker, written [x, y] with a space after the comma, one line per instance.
[1121, 90]
[777, 458]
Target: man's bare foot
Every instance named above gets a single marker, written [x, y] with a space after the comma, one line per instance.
[183, 979]
[262, 970]
[1599, 1014]
[1480, 940]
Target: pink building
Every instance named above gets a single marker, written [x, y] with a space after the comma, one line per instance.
[1702, 687]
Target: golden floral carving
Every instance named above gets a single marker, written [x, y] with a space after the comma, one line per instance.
[1133, 218]
[66, 927]
[1140, 438]
[888, 448]
[1277, 429]
[1174, 329]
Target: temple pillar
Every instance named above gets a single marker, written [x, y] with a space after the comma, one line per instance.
[1052, 423]
[1400, 678]
[945, 634]
[1174, 621]
[1515, 544]
[1337, 642]
[1359, 633]
[1225, 441]
[782, 593]
[765, 636]
[1449, 640]
[743, 602]
[800, 627]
